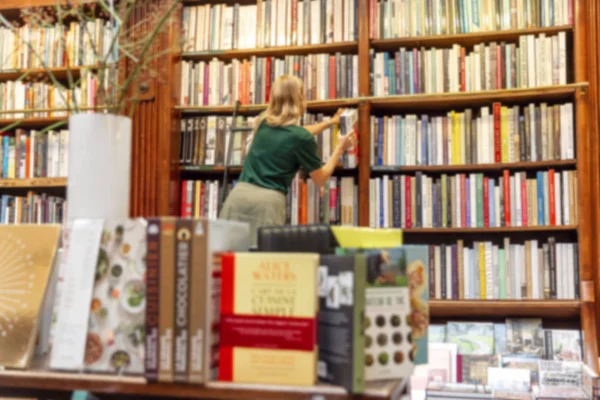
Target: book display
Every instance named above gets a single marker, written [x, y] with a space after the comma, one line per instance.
[477, 139]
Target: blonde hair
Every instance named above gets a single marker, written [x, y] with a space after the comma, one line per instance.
[286, 105]
[287, 102]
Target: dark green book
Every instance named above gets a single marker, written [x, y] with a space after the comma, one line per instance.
[342, 282]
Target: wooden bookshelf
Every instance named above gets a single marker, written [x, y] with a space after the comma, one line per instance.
[57, 382]
[551, 309]
[61, 73]
[313, 106]
[464, 39]
[447, 169]
[33, 183]
[281, 51]
[415, 102]
[504, 229]
[453, 101]
[13, 123]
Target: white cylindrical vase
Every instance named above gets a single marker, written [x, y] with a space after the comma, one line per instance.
[99, 172]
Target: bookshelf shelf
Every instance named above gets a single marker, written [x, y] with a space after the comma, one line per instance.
[315, 105]
[508, 229]
[33, 183]
[435, 102]
[415, 102]
[443, 169]
[30, 122]
[234, 170]
[465, 39]
[280, 51]
[60, 73]
[137, 386]
[551, 309]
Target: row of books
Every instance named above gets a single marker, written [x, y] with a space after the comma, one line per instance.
[499, 134]
[548, 198]
[38, 99]
[486, 271]
[407, 18]
[269, 23]
[519, 358]
[336, 205]
[32, 209]
[33, 154]
[249, 81]
[76, 44]
[204, 140]
[520, 337]
[534, 62]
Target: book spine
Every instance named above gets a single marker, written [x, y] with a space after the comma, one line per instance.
[167, 296]
[183, 253]
[152, 350]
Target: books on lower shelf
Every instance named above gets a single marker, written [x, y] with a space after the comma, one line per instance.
[34, 208]
[408, 18]
[497, 134]
[534, 62]
[338, 204]
[34, 154]
[56, 45]
[518, 355]
[305, 205]
[214, 83]
[269, 23]
[205, 140]
[532, 270]
[520, 199]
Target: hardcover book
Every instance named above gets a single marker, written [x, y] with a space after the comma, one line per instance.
[116, 334]
[476, 338]
[563, 345]
[525, 337]
[392, 351]
[341, 310]
[268, 326]
[27, 253]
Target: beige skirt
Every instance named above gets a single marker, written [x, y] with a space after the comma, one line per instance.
[255, 205]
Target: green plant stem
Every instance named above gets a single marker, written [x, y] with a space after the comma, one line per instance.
[147, 47]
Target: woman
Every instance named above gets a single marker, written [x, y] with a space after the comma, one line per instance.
[279, 148]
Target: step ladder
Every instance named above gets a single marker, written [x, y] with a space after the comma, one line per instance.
[228, 151]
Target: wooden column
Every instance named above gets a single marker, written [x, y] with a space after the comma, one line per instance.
[364, 113]
[593, 64]
[155, 127]
[587, 258]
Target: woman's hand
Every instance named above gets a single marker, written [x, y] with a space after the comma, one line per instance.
[347, 141]
[335, 120]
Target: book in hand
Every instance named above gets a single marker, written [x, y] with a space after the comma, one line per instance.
[341, 310]
[268, 323]
[349, 124]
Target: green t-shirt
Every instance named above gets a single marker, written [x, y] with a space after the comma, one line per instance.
[276, 154]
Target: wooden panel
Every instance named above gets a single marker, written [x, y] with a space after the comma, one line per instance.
[465, 39]
[364, 113]
[451, 101]
[505, 229]
[345, 48]
[593, 59]
[33, 183]
[448, 169]
[550, 309]
[587, 259]
[136, 386]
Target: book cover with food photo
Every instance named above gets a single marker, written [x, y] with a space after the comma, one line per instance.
[116, 333]
[268, 326]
